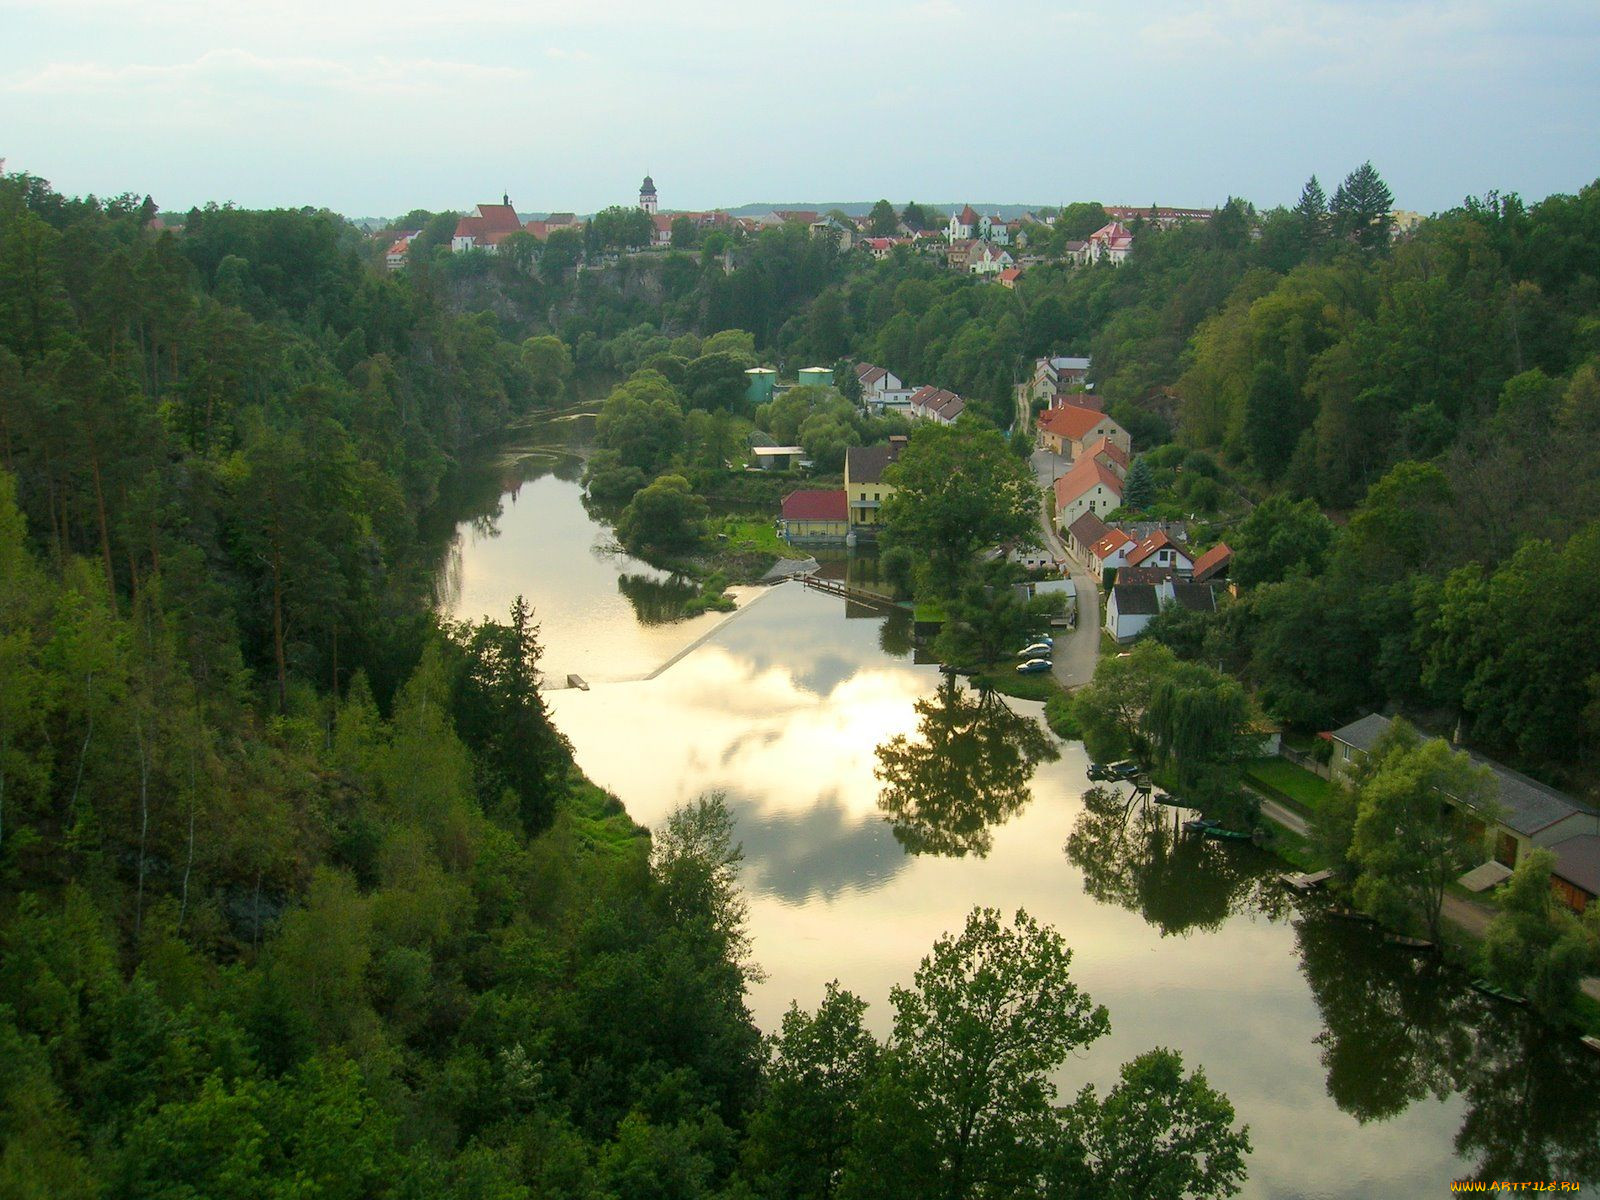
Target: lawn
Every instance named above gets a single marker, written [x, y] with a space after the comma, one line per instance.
[1024, 687]
[754, 535]
[1282, 780]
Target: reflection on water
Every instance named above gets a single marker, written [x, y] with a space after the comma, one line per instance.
[522, 529]
[966, 771]
[656, 601]
[1361, 1071]
[1132, 854]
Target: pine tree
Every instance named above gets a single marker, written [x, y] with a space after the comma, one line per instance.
[1312, 213]
[1361, 206]
[1139, 489]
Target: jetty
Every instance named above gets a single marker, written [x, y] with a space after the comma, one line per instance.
[860, 595]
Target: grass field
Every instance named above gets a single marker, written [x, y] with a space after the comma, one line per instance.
[1282, 780]
[755, 535]
[1024, 687]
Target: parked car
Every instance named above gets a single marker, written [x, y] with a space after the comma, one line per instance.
[1037, 650]
[1033, 666]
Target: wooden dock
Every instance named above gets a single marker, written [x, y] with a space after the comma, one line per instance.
[860, 595]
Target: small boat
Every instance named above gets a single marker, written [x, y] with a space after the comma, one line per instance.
[1414, 944]
[1345, 913]
[1499, 993]
[1199, 825]
[1227, 835]
[1169, 801]
[1592, 1042]
[1301, 882]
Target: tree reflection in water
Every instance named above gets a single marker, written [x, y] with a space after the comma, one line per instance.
[1132, 855]
[1398, 1030]
[656, 601]
[966, 772]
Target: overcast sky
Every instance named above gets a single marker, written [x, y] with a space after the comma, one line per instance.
[375, 108]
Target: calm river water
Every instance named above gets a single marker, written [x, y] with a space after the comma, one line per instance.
[878, 802]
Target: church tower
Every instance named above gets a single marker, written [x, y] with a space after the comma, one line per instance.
[647, 196]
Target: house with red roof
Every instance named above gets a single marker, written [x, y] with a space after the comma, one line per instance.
[1213, 564]
[1110, 243]
[1110, 552]
[1158, 550]
[487, 228]
[1113, 455]
[1008, 278]
[963, 226]
[1071, 429]
[395, 256]
[814, 517]
[1090, 487]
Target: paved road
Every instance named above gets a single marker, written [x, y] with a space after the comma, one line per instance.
[1077, 650]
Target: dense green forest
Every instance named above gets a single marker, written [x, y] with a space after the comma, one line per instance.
[300, 891]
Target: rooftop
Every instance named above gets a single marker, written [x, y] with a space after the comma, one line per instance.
[816, 506]
[1527, 806]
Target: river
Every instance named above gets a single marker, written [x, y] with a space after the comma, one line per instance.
[877, 802]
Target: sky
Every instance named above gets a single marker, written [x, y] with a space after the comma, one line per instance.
[372, 109]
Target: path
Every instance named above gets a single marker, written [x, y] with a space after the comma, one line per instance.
[1466, 914]
[1078, 650]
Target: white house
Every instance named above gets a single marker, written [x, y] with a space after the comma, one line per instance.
[963, 225]
[490, 226]
[1158, 550]
[937, 405]
[881, 389]
[1132, 606]
[1112, 243]
[986, 258]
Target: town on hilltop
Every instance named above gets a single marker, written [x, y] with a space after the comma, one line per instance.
[983, 244]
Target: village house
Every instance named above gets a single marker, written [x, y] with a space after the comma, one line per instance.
[1158, 550]
[1132, 606]
[1213, 564]
[1070, 429]
[815, 518]
[1056, 374]
[1110, 552]
[1162, 218]
[1110, 454]
[986, 258]
[881, 389]
[864, 485]
[1575, 879]
[1008, 278]
[1110, 243]
[490, 226]
[936, 404]
[963, 226]
[394, 257]
[660, 231]
[1090, 487]
[1083, 533]
[1531, 815]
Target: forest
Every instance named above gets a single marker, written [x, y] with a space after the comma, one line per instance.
[301, 893]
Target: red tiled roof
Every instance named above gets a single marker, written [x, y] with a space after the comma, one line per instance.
[1113, 541]
[499, 218]
[1156, 541]
[1111, 450]
[1085, 474]
[1010, 274]
[816, 506]
[968, 217]
[1070, 421]
[1212, 561]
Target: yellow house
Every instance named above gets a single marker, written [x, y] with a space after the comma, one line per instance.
[864, 487]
